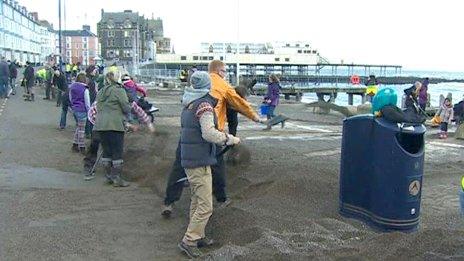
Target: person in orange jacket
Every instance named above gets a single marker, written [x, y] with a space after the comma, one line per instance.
[225, 96]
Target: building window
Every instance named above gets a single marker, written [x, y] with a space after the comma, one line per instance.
[204, 58]
[277, 59]
[183, 58]
[126, 34]
[110, 33]
[297, 45]
[299, 51]
[287, 59]
[287, 45]
[195, 58]
[68, 46]
[127, 24]
[68, 54]
[84, 39]
[127, 43]
[110, 42]
[221, 58]
[127, 53]
[211, 58]
[85, 46]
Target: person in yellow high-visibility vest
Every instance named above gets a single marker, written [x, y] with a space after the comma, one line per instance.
[183, 75]
[75, 70]
[371, 87]
[68, 72]
[41, 75]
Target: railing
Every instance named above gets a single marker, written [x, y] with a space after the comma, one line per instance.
[159, 75]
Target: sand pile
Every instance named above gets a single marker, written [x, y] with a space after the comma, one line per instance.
[285, 205]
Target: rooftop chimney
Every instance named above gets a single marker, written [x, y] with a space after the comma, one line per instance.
[35, 16]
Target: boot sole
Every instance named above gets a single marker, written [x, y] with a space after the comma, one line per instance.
[183, 249]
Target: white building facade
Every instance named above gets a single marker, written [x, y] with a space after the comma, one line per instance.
[22, 38]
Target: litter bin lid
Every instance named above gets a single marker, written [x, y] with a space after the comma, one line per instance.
[361, 117]
[401, 127]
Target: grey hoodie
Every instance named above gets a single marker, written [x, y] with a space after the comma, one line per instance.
[191, 94]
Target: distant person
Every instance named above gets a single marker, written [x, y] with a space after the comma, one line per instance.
[422, 94]
[199, 135]
[29, 77]
[13, 75]
[75, 70]
[79, 100]
[183, 76]
[59, 81]
[411, 94]
[272, 97]
[48, 78]
[225, 96]
[371, 87]
[68, 71]
[190, 72]
[4, 77]
[446, 115]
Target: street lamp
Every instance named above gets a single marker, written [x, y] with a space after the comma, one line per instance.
[60, 63]
[238, 43]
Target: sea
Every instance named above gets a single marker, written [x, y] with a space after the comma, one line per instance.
[435, 90]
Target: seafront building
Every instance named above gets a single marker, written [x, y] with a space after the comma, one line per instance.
[23, 37]
[290, 58]
[79, 46]
[129, 38]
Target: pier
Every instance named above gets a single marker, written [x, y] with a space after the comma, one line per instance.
[326, 94]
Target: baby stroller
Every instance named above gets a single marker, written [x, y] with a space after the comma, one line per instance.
[147, 107]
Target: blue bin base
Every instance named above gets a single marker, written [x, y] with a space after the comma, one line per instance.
[378, 223]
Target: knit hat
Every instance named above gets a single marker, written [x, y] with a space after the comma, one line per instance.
[200, 80]
[126, 78]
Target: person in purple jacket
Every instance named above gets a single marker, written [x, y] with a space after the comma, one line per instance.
[272, 96]
[422, 92]
[79, 100]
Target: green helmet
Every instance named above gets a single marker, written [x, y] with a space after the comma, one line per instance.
[386, 96]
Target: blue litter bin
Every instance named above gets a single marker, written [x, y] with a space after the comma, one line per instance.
[382, 164]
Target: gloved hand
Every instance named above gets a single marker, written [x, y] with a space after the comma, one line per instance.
[151, 127]
[232, 140]
[260, 120]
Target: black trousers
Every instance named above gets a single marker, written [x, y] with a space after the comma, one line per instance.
[49, 90]
[112, 143]
[232, 120]
[174, 188]
[91, 155]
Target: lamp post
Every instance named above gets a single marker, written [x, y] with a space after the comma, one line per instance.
[59, 37]
[237, 55]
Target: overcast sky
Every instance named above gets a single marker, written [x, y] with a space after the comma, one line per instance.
[415, 34]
